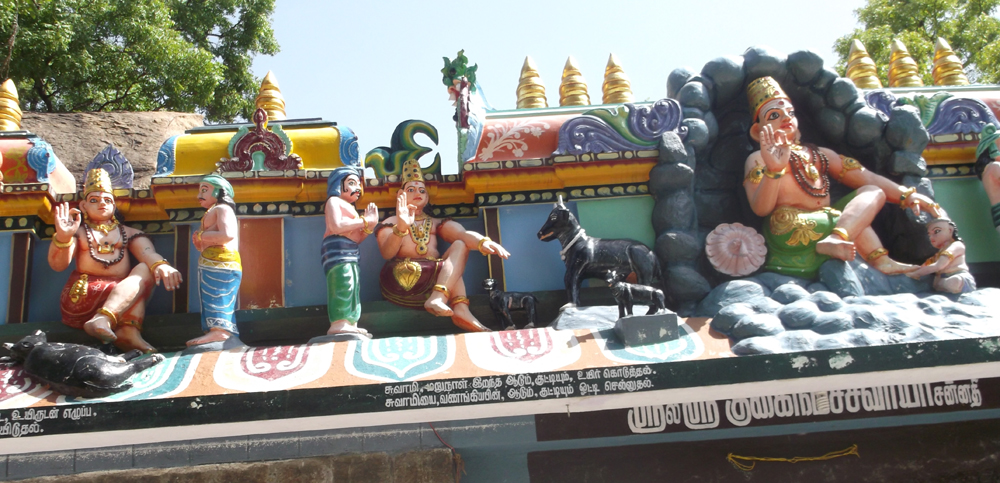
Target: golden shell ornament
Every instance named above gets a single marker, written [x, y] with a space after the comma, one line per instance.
[736, 250]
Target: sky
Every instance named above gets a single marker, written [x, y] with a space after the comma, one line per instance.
[371, 65]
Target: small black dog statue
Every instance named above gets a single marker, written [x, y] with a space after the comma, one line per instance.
[74, 369]
[502, 302]
[627, 293]
[589, 257]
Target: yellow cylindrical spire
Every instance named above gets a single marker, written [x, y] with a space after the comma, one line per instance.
[530, 89]
[10, 107]
[269, 98]
[617, 87]
[861, 68]
[573, 89]
[947, 66]
[903, 71]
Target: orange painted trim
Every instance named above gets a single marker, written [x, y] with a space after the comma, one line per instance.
[951, 153]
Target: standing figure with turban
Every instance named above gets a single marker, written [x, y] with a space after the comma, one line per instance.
[220, 269]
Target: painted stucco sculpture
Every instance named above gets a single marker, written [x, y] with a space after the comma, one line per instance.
[789, 185]
[501, 303]
[220, 268]
[105, 295]
[736, 250]
[951, 274]
[417, 274]
[345, 230]
[77, 370]
[988, 169]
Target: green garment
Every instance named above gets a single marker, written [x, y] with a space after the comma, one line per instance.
[343, 293]
[791, 235]
[995, 211]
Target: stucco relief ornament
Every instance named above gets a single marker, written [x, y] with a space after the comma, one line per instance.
[736, 250]
[508, 136]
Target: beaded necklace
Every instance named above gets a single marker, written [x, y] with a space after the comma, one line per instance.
[802, 169]
[421, 235]
[91, 243]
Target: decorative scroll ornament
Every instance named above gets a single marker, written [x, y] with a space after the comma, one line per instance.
[260, 148]
[736, 250]
[941, 113]
[903, 71]
[390, 160]
[10, 107]
[508, 135]
[269, 98]
[530, 89]
[617, 87]
[947, 66]
[626, 128]
[41, 158]
[165, 157]
[861, 68]
[111, 160]
[573, 89]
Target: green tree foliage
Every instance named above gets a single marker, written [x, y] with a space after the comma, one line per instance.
[970, 26]
[136, 55]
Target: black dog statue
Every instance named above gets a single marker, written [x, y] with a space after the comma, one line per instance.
[627, 294]
[503, 302]
[74, 369]
[589, 257]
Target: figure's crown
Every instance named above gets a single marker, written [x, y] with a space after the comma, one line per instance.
[98, 180]
[762, 90]
[411, 172]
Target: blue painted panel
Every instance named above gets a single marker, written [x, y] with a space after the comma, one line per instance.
[304, 281]
[47, 284]
[194, 298]
[476, 269]
[534, 265]
[6, 244]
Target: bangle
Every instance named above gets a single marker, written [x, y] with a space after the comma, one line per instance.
[481, 243]
[401, 234]
[876, 253]
[152, 268]
[442, 289]
[773, 175]
[364, 228]
[59, 244]
[197, 235]
[110, 315]
[906, 194]
[842, 233]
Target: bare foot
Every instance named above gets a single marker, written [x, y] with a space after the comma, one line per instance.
[437, 305]
[836, 248]
[464, 319]
[345, 327]
[129, 339]
[213, 335]
[889, 266]
[99, 327]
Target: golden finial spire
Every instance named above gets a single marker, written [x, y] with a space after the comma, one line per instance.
[10, 108]
[617, 88]
[270, 99]
[903, 71]
[530, 90]
[861, 68]
[573, 90]
[947, 66]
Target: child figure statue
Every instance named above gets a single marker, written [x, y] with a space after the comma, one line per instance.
[345, 230]
[220, 270]
[948, 264]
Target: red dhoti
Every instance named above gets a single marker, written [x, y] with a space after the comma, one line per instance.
[85, 293]
[408, 282]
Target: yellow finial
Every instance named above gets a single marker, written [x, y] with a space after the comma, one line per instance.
[530, 90]
[903, 71]
[270, 99]
[573, 90]
[861, 68]
[947, 66]
[10, 108]
[617, 87]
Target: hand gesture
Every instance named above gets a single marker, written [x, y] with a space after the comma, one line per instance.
[917, 201]
[371, 215]
[774, 148]
[169, 275]
[197, 241]
[493, 248]
[406, 213]
[67, 221]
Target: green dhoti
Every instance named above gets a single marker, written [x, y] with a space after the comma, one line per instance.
[791, 235]
[343, 293]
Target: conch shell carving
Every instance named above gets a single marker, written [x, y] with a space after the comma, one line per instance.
[734, 249]
[407, 274]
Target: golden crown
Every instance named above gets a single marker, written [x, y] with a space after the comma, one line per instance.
[98, 180]
[762, 90]
[411, 172]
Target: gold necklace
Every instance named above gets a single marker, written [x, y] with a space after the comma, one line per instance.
[421, 235]
[104, 228]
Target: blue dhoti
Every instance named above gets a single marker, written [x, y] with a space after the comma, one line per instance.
[219, 275]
